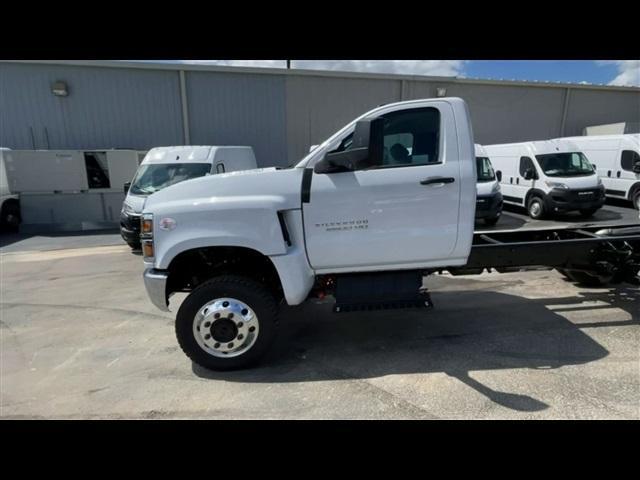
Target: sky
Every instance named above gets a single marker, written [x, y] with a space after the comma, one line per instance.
[609, 72]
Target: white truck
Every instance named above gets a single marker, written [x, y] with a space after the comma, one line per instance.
[165, 166]
[489, 195]
[547, 177]
[617, 161]
[347, 221]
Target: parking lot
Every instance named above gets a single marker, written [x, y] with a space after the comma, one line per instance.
[80, 339]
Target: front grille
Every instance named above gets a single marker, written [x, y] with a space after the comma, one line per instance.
[131, 222]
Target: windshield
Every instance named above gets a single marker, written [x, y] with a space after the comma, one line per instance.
[153, 177]
[485, 170]
[565, 164]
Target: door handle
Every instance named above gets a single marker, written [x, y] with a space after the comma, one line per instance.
[434, 180]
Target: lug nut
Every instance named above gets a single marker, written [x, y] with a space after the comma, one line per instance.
[240, 324]
[217, 315]
[251, 329]
[230, 315]
[240, 337]
[230, 345]
[207, 324]
[207, 336]
[216, 345]
[225, 304]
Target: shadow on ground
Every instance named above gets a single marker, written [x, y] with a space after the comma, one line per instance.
[467, 331]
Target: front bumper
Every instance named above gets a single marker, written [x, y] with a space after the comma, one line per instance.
[130, 227]
[155, 281]
[489, 206]
[563, 200]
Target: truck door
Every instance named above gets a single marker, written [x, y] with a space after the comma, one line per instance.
[396, 215]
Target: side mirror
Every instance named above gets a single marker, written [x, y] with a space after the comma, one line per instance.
[636, 167]
[312, 148]
[499, 175]
[529, 174]
[365, 151]
[127, 186]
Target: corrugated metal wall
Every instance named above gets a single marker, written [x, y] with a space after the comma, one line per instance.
[106, 107]
[280, 115]
[236, 109]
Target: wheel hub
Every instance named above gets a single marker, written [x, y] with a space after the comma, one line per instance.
[224, 330]
[225, 327]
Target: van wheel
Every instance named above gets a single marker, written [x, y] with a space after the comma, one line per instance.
[587, 279]
[491, 221]
[536, 208]
[227, 323]
[10, 218]
[588, 212]
[636, 199]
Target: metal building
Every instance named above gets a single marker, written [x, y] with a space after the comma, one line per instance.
[280, 113]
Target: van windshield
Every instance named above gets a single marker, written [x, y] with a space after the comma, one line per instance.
[565, 164]
[153, 177]
[485, 170]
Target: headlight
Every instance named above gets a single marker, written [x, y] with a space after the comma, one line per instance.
[557, 185]
[495, 188]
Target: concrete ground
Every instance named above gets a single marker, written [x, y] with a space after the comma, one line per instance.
[79, 339]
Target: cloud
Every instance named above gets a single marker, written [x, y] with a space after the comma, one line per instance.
[628, 72]
[445, 68]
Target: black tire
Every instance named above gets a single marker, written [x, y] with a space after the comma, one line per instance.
[586, 279]
[537, 213]
[135, 245]
[252, 293]
[635, 198]
[588, 212]
[491, 221]
[10, 218]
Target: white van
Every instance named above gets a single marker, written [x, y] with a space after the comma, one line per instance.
[617, 161]
[9, 202]
[489, 196]
[546, 177]
[165, 166]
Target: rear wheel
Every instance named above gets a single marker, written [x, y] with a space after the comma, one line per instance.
[10, 216]
[588, 212]
[228, 322]
[536, 208]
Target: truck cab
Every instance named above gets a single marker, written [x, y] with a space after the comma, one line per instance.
[165, 166]
[489, 198]
[547, 177]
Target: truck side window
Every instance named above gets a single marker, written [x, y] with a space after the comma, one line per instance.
[411, 137]
[97, 170]
[525, 164]
[629, 159]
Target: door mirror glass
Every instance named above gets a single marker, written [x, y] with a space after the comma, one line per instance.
[636, 167]
[126, 187]
[499, 175]
[364, 150]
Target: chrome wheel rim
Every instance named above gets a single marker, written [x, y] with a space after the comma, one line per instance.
[225, 327]
[536, 208]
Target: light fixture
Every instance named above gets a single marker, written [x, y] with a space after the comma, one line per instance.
[441, 92]
[60, 89]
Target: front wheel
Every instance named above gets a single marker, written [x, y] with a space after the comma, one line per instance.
[227, 323]
[536, 208]
[636, 199]
[491, 221]
[588, 212]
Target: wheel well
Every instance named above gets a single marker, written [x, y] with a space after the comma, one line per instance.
[192, 267]
[11, 202]
[533, 193]
[634, 188]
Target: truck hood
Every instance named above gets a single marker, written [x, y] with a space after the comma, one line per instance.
[282, 186]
